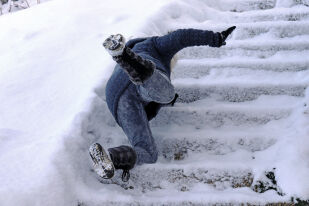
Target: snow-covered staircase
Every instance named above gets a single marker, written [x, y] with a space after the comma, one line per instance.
[235, 106]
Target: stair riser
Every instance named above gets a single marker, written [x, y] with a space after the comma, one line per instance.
[276, 31]
[215, 119]
[260, 52]
[241, 6]
[144, 179]
[193, 69]
[297, 16]
[183, 203]
[273, 30]
[189, 94]
[303, 2]
[180, 148]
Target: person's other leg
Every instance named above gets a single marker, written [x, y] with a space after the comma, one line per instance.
[151, 84]
[158, 88]
[133, 120]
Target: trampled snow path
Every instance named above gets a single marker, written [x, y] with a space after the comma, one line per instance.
[17, 5]
[240, 121]
[240, 116]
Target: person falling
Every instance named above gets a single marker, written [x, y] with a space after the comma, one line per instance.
[139, 86]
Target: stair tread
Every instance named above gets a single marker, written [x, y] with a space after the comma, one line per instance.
[267, 103]
[280, 24]
[247, 5]
[258, 30]
[240, 160]
[244, 80]
[217, 117]
[234, 91]
[259, 49]
[298, 43]
[199, 83]
[194, 197]
[274, 14]
[232, 62]
[203, 66]
[254, 45]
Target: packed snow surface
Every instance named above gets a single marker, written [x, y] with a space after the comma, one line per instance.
[53, 69]
[51, 60]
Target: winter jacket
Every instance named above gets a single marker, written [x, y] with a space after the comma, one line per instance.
[160, 50]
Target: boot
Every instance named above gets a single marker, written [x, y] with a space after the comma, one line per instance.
[102, 164]
[137, 68]
[123, 157]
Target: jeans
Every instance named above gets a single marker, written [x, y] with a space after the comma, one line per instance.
[133, 119]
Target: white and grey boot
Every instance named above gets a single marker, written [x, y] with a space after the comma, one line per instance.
[115, 44]
[102, 164]
[137, 68]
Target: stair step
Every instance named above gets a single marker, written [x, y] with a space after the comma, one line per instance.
[277, 14]
[200, 197]
[198, 68]
[278, 29]
[183, 175]
[235, 93]
[239, 48]
[268, 29]
[247, 5]
[253, 5]
[216, 117]
[197, 199]
[178, 143]
[241, 77]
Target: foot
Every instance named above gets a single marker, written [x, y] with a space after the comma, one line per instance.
[115, 44]
[137, 68]
[102, 164]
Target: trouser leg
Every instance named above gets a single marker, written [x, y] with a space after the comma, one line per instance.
[152, 84]
[158, 88]
[133, 120]
[138, 69]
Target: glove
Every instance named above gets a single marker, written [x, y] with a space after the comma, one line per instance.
[226, 33]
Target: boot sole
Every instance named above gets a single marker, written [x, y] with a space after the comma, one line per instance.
[114, 46]
[102, 164]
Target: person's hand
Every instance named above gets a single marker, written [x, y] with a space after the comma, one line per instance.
[226, 33]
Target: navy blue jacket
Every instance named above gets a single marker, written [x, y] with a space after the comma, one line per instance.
[160, 50]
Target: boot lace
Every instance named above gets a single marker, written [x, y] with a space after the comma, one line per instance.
[125, 175]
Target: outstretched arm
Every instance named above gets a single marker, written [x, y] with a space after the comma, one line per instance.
[168, 45]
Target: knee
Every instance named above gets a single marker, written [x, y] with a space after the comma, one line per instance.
[158, 88]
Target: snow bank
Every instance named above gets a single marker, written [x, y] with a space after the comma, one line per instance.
[52, 67]
[51, 60]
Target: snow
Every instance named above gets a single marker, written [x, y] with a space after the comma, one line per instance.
[52, 75]
[51, 60]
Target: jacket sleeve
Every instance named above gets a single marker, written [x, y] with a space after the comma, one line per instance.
[132, 42]
[168, 45]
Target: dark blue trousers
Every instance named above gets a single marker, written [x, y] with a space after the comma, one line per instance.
[132, 116]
